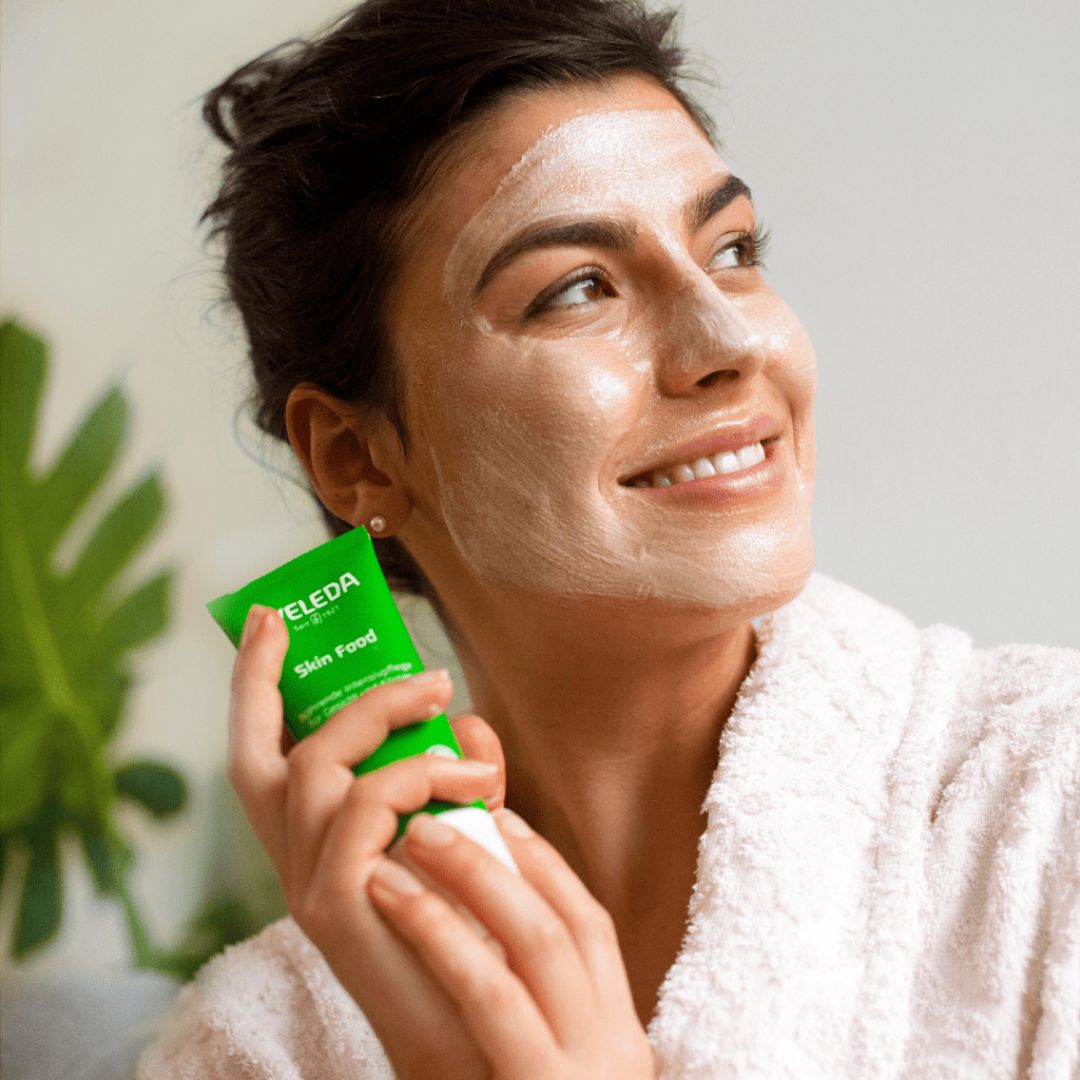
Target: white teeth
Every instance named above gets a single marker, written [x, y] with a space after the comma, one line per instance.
[750, 455]
[727, 462]
[719, 464]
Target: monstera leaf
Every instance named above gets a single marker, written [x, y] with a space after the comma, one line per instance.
[68, 632]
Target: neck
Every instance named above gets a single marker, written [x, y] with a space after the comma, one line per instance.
[610, 722]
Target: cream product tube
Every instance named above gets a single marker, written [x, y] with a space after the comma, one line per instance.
[345, 637]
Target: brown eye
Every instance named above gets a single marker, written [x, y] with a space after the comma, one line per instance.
[746, 249]
[728, 257]
[587, 288]
[582, 291]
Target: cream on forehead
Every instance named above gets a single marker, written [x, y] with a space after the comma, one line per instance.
[591, 162]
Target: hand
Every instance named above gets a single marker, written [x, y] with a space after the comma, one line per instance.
[557, 1005]
[326, 829]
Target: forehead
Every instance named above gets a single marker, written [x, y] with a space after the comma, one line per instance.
[640, 162]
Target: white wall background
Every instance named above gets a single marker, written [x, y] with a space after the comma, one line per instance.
[918, 165]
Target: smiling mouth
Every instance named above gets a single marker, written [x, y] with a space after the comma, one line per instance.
[724, 463]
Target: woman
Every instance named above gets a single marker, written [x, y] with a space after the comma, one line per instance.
[504, 300]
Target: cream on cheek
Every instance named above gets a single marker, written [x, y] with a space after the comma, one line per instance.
[532, 427]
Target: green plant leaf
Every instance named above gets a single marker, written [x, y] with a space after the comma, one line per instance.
[22, 375]
[139, 617]
[119, 534]
[160, 788]
[99, 858]
[22, 781]
[68, 635]
[39, 907]
[81, 467]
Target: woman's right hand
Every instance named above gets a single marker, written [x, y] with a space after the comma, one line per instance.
[325, 830]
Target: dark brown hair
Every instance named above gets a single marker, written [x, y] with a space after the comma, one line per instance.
[331, 140]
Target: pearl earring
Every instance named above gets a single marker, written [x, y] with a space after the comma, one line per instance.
[377, 523]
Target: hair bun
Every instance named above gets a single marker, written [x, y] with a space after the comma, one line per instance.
[233, 109]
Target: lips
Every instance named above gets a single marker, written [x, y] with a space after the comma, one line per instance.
[730, 437]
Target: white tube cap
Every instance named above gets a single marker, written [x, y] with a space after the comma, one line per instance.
[478, 825]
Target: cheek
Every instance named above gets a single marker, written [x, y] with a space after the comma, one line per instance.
[792, 368]
[791, 361]
[543, 407]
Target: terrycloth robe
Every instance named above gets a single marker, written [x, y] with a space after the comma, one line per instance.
[888, 885]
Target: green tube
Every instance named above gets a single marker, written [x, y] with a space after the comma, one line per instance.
[345, 637]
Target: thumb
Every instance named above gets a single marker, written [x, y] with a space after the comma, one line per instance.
[478, 740]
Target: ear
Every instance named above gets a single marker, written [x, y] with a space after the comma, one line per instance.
[348, 453]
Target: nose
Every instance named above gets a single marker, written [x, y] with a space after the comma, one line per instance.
[705, 338]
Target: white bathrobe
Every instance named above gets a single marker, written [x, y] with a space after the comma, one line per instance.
[888, 884]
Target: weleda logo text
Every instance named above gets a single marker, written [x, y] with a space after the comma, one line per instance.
[331, 591]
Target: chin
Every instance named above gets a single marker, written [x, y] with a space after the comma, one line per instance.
[765, 589]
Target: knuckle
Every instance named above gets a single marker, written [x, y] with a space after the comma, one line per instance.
[599, 926]
[361, 796]
[546, 936]
[304, 758]
[490, 992]
[248, 781]
[317, 907]
[425, 912]
[235, 773]
[365, 711]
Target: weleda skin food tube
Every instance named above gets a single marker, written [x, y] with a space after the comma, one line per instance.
[347, 636]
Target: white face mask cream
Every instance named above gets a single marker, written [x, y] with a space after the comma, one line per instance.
[529, 427]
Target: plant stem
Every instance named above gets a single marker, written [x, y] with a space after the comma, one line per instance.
[145, 952]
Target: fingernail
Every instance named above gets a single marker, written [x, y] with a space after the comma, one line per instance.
[429, 831]
[251, 623]
[511, 823]
[429, 678]
[475, 767]
[391, 878]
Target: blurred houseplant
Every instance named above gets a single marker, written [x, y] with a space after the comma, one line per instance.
[67, 634]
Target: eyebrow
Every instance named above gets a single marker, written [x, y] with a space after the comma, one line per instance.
[708, 203]
[603, 232]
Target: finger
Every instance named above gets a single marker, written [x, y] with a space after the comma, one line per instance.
[478, 740]
[366, 824]
[495, 1005]
[539, 948]
[399, 994]
[359, 728]
[321, 765]
[255, 712]
[255, 764]
[586, 919]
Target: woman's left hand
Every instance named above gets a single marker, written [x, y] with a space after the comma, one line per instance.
[559, 1006]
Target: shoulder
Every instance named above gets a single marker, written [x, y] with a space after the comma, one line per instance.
[989, 725]
[1015, 737]
[267, 1007]
[1031, 692]
[851, 638]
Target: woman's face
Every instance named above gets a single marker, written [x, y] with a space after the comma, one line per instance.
[579, 304]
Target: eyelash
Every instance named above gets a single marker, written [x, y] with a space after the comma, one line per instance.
[752, 249]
